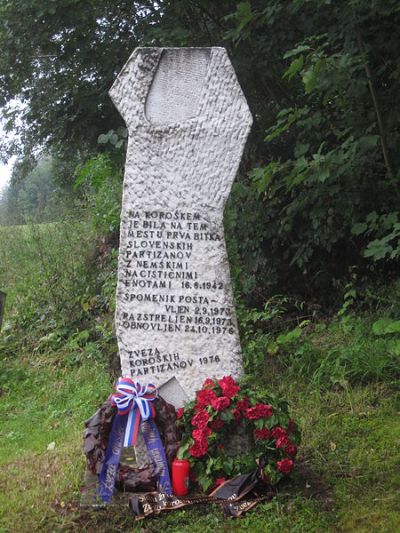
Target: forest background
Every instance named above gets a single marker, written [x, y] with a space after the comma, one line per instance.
[312, 224]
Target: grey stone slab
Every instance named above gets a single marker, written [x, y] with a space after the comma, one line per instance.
[188, 122]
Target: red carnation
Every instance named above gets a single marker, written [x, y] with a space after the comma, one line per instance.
[219, 404]
[204, 398]
[199, 449]
[266, 410]
[209, 383]
[244, 404]
[278, 433]
[179, 412]
[282, 442]
[252, 413]
[291, 426]
[200, 419]
[237, 414]
[285, 466]
[260, 410]
[201, 434]
[262, 434]
[216, 424]
[229, 386]
[291, 449]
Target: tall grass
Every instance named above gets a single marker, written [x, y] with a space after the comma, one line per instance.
[345, 350]
[53, 286]
[49, 258]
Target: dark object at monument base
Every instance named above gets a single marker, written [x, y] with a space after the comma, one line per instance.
[130, 479]
[236, 496]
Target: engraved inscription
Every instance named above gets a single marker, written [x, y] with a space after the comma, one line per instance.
[158, 268]
[166, 288]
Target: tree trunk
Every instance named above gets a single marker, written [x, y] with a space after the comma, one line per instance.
[2, 306]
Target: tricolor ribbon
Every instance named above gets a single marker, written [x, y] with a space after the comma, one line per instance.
[133, 402]
[133, 399]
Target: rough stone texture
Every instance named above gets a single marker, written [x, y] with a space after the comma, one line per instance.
[188, 122]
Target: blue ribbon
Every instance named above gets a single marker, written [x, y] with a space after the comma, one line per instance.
[156, 453]
[134, 409]
[112, 457]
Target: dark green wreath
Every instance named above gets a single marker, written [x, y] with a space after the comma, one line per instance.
[95, 441]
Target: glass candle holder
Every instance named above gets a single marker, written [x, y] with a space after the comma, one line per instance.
[180, 477]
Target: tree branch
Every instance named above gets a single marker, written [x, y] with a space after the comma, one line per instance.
[378, 113]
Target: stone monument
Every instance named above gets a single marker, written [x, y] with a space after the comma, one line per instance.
[188, 122]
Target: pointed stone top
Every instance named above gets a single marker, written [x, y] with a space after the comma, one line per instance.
[180, 87]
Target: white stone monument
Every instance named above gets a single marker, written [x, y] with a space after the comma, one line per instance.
[188, 122]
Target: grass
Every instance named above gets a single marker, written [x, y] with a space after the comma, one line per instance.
[342, 352]
[46, 264]
[40, 405]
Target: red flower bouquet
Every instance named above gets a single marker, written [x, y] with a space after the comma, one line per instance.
[224, 407]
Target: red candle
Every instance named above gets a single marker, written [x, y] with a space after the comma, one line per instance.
[180, 477]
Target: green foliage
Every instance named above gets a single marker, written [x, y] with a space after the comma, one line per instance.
[385, 326]
[385, 232]
[55, 293]
[360, 345]
[321, 79]
[75, 49]
[350, 351]
[116, 139]
[100, 180]
[36, 192]
[264, 332]
[350, 295]
[390, 329]
[330, 145]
